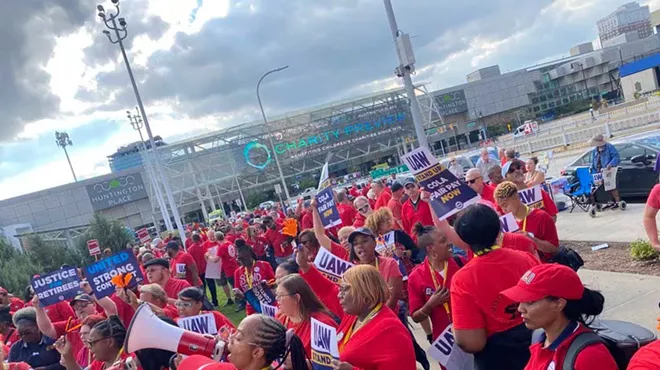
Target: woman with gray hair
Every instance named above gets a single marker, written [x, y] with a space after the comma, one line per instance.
[364, 209]
[33, 348]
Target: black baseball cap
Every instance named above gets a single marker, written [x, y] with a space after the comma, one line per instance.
[396, 186]
[192, 293]
[157, 262]
[172, 245]
[81, 298]
[360, 231]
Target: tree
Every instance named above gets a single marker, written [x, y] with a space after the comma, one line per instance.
[16, 269]
[110, 234]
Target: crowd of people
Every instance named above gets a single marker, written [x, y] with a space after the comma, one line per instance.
[494, 288]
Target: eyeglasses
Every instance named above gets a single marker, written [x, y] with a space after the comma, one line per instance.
[91, 343]
[280, 296]
[363, 209]
[183, 304]
[473, 180]
[80, 305]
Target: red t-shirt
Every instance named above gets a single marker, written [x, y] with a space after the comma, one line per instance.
[647, 357]
[383, 343]
[395, 206]
[15, 304]
[73, 336]
[197, 251]
[518, 242]
[383, 199]
[258, 245]
[420, 288]
[262, 271]
[188, 243]
[488, 193]
[100, 365]
[174, 286]
[346, 213]
[339, 251]
[275, 239]
[359, 220]
[414, 213]
[306, 221]
[208, 245]
[303, 329]
[11, 338]
[542, 226]
[475, 291]
[388, 268]
[227, 254]
[354, 192]
[181, 267]
[124, 310]
[326, 290]
[170, 311]
[60, 311]
[654, 197]
[595, 356]
[231, 237]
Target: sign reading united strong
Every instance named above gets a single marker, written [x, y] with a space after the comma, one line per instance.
[117, 191]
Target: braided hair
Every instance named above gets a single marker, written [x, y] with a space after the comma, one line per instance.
[112, 328]
[279, 343]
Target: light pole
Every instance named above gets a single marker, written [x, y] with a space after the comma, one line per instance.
[62, 140]
[137, 124]
[270, 134]
[110, 21]
[405, 68]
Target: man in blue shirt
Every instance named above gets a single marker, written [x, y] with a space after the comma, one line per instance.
[604, 156]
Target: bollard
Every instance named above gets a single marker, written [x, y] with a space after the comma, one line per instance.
[607, 130]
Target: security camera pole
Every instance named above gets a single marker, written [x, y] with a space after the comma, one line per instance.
[110, 21]
[406, 66]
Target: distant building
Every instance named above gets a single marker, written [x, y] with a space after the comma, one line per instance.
[627, 18]
[129, 157]
[587, 47]
[484, 73]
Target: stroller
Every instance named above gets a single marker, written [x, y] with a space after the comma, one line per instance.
[582, 191]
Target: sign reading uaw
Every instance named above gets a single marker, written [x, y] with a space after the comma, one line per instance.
[116, 191]
[259, 155]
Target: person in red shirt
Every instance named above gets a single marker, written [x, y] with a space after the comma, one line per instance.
[395, 205]
[250, 272]
[182, 265]
[158, 247]
[646, 358]
[415, 209]
[256, 242]
[650, 211]
[552, 298]
[189, 241]
[306, 216]
[429, 282]
[6, 299]
[158, 272]
[363, 208]
[346, 210]
[190, 304]
[370, 335]
[225, 252]
[484, 323]
[197, 252]
[298, 305]
[513, 171]
[365, 189]
[383, 194]
[534, 223]
[475, 181]
[355, 191]
[8, 333]
[281, 244]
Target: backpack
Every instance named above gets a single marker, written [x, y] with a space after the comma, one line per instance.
[621, 338]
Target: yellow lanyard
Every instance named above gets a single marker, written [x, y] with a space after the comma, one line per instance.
[482, 252]
[524, 226]
[350, 331]
[377, 264]
[436, 284]
[248, 277]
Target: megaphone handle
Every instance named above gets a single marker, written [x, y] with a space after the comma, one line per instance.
[173, 362]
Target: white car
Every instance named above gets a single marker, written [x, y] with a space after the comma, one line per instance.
[267, 204]
[527, 128]
[308, 193]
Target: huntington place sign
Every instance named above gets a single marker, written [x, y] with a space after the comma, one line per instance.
[116, 191]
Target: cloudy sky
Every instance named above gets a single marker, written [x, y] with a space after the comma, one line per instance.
[197, 63]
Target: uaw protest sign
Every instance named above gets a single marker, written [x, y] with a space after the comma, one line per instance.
[449, 195]
[330, 265]
[531, 197]
[57, 286]
[100, 274]
[324, 345]
[203, 324]
[326, 201]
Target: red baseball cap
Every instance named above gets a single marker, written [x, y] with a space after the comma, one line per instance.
[199, 362]
[546, 280]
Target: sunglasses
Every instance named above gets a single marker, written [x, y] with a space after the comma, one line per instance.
[473, 180]
[363, 209]
[183, 304]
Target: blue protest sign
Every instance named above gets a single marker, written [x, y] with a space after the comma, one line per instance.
[327, 208]
[258, 295]
[57, 286]
[100, 274]
[324, 345]
[449, 195]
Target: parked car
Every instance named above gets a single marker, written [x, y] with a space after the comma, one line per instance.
[308, 193]
[636, 175]
[267, 204]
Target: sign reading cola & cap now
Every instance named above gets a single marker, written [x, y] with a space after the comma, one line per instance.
[259, 155]
[116, 191]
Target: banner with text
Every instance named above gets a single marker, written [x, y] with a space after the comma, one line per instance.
[100, 274]
[330, 265]
[268, 310]
[532, 197]
[385, 242]
[449, 195]
[609, 178]
[325, 200]
[57, 286]
[445, 350]
[324, 345]
[509, 224]
[259, 295]
[203, 324]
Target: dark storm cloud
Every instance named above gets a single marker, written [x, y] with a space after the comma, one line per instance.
[330, 46]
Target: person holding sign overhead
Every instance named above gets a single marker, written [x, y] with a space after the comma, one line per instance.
[250, 272]
[339, 250]
[533, 222]
[370, 336]
[298, 305]
[552, 298]
[484, 323]
[190, 304]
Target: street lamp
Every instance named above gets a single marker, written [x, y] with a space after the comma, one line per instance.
[137, 124]
[270, 134]
[118, 26]
[62, 140]
[404, 70]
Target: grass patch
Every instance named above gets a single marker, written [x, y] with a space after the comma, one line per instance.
[228, 311]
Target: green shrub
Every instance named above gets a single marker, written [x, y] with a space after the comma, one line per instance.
[641, 250]
[16, 268]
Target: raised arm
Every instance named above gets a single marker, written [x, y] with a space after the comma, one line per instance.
[319, 230]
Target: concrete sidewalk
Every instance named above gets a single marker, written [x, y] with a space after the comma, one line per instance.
[607, 226]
